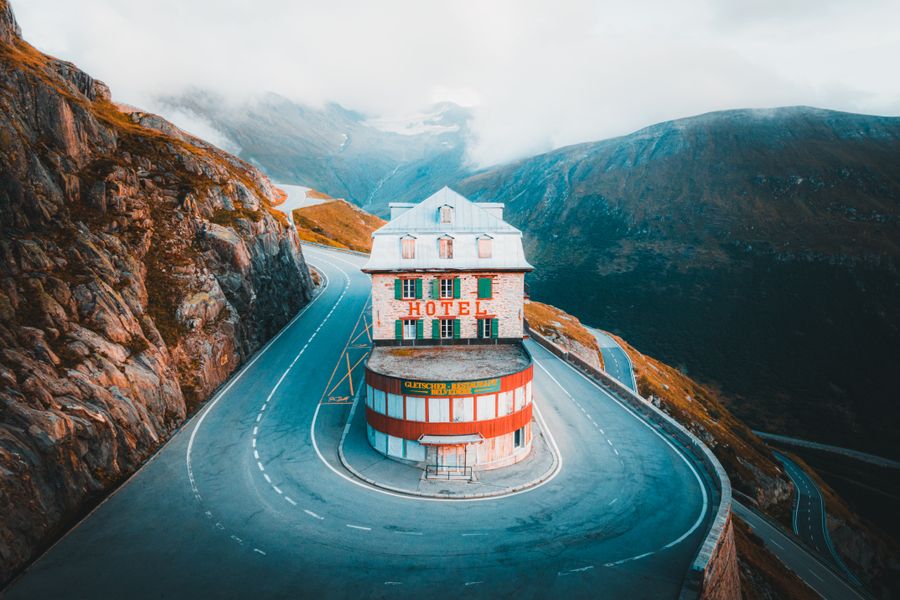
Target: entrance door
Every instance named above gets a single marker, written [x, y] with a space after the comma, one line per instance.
[453, 456]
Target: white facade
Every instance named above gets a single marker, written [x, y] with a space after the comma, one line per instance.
[447, 259]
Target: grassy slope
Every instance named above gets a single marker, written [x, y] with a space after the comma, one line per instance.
[336, 223]
[763, 576]
[564, 329]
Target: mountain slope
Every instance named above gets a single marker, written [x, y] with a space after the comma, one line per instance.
[138, 268]
[756, 249]
[342, 153]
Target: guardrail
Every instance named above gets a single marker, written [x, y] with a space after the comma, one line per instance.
[713, 571]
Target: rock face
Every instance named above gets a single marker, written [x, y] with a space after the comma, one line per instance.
[138, 268]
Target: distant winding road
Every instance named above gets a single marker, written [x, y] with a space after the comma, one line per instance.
[249, 499]
[808, 510]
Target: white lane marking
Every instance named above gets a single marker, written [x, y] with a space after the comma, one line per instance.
[313, 515]
[468, 583]
[629, 559]
[472, 534]
[616, 451]
[609, 441]
[254, 444]
[409, 532]
[255, 430]
[256, 454]
[582, 569]
[258, 417]
[705, 505]
[291, 500]
[237, 539]
[260, 465]
[277, 490]
[614, 500]
[601, 431]
[234, 380]
[267, 478]
[258, 551]
[774, 543]
[392, 583]
[814, 574]
[360, 527]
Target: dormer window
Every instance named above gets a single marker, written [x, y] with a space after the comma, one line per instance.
[446, 214]
[485, 246]
[445, 247]
[408, 247]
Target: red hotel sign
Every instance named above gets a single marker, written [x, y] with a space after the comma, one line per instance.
[446, 308]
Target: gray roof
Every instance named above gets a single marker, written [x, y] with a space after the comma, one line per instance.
[470, 221]
[468, 217]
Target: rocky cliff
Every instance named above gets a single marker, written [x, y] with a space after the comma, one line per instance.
[138, 268]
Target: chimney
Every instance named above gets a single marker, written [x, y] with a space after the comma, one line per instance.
[398, 208]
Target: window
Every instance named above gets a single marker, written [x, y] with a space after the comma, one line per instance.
[484, 328]
[519, 437]
[415, 408]
[439, 410]
[485, 287]
[395, 406]
[408, 245]
[446, 328]
[446, 214]
[485, 247]
[487, 407]
[446, 288]
[445, 247]
[409, 289]
[463, 409]
[409, 329]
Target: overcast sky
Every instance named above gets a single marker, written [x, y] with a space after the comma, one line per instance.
[538, 74]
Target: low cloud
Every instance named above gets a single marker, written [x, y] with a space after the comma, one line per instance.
[538, 75]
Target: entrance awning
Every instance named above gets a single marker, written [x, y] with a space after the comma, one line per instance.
[451, 440]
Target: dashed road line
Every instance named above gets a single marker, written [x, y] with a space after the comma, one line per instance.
[360, 527]
[312, 514]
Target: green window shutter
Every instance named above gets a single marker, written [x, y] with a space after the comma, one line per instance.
[398, 329]
[398, 289]
[419, 288]
[435, 288]
[484, 287]
[456, 286]
[479, 328]
[420, 329]
[435, 329]
[495, 326]
[456, 329]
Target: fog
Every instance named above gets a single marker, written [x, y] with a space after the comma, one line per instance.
[537, 75]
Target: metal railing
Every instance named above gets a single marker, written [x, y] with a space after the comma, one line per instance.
[447, 472]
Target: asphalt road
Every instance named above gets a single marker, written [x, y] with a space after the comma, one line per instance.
[798, 559]
[615, 359]
[249, 499]
[808, 514]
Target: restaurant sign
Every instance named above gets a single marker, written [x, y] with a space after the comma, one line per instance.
[450, 388]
